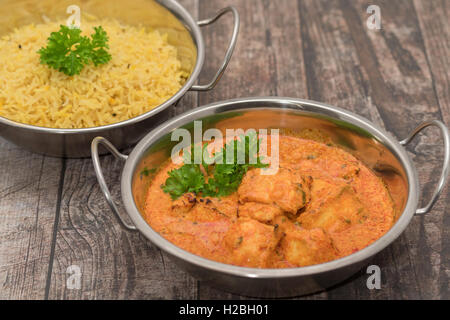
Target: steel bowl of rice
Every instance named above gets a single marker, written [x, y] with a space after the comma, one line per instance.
[54, 102]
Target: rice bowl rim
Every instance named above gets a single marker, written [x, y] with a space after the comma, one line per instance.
[192, 27]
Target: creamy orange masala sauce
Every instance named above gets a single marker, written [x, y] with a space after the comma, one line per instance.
[322, 204]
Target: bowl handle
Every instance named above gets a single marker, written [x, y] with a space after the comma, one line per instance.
[230, 49]
[445, 167]
[101, 178]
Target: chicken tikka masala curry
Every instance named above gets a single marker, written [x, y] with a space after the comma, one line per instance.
[321, 205]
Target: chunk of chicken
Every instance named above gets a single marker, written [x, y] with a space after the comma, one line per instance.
[324, 189]
[227, 206]
[287, 189]
[337, 213]
[251, 243]
[302, 247]
[265, 213]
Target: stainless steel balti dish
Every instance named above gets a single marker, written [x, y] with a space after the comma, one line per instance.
[380, 151]
[76, 142]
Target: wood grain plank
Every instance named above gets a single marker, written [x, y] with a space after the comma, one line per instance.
[115, 264]
[28, 204]
[252, 70]
[284, 41]
[334, 71]
[401, 86]
[433, 17]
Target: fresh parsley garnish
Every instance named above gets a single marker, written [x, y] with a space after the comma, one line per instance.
[188, 178]
[218, 179]
[68, 51]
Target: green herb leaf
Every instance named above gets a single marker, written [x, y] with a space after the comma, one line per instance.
[188, 178]
[68, 51]
[99, 46]
[222, 178]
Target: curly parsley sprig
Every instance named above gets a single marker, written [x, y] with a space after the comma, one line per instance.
[68, 51]
[221, 178]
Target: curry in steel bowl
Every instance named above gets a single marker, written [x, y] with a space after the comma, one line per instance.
[380, 155]
[321, 204]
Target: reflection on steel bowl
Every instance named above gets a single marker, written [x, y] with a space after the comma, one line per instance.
[124, 116]
[376, 149]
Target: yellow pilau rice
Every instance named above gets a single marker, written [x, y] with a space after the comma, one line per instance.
[143, 73]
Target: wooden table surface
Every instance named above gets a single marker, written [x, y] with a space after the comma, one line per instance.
[53, 215]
